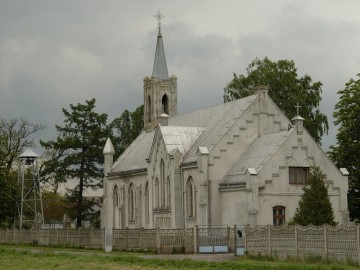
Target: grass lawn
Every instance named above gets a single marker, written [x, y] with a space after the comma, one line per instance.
[11, 259]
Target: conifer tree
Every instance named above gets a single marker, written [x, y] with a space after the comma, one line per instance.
[314, 206]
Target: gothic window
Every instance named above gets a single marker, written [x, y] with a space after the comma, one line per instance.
[115, 197]
[132, 200]
[191, 198]
[168, 192]
[298, 175]
[162, 182]
[165, 104]
[157, 193]
[278, 215]
[148, 110]
[147, 214]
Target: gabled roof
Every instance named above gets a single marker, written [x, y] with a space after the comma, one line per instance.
[181, 138]
[134, 157]
[258, 155]
[203, 127]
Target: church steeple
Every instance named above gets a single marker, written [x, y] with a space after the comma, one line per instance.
[160, 92]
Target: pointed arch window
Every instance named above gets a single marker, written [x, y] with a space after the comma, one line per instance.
[168, 192]
[148, 110]
[162, 183]
[165, 104]
[191, 198]
[132, 204]
[115, 197]
[147, 206]
[157, 193]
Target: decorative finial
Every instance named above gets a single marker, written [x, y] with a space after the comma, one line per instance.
[297, 108]
[159, 17]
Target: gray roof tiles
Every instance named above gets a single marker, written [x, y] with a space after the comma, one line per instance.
[258, 154]
[187, 131]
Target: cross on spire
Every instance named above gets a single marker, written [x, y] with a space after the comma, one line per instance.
[297, 108]
[159, 17]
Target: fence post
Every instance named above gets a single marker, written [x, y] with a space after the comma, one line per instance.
[67, 236]
[158, 240]
[126, 238]
[235, 241]
[296, 242]
[358, 242]
[142, 237]
[91, 234]
[195, 234]
[78, 231]
[269, 239]
[6, 235]
[57, 234]
[245, 237]
[325, 243]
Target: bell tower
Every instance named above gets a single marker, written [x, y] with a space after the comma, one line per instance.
[160, 92]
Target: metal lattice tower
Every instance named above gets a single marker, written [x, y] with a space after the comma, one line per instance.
[31, 208]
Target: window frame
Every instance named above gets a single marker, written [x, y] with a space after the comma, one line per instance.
[277, 216]
[298, 175]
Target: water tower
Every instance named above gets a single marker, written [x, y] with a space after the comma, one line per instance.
[31, 210]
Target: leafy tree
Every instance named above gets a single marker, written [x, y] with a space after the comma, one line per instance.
[127, 127]
[79, 147]
[285, 88]
[314, 206]
[18, 136]
[346, 154]
[53, 207]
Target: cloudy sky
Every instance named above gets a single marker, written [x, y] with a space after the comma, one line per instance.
[59, 52]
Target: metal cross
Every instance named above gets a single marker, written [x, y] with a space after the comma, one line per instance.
[159, 17]
[297, 108]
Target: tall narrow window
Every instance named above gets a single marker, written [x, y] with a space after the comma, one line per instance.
[157, 193]
[115, 197]
[165, 104]
[168, 192]
[191, 198]
[147, 214]
[148, 110]
[278, 215]
[298, 175]
[162, 182]
[132, 199]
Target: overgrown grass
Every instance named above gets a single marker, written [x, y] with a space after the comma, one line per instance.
[12, 259]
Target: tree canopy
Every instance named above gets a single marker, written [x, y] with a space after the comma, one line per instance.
[286, 88]
[314, 206]
[126, 128]
[78, 148]
[346, 153]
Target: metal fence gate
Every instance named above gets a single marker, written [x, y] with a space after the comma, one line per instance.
[213, 239]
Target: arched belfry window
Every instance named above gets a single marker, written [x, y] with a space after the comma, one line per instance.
[191, 198]
[148, 110]
[165, 104]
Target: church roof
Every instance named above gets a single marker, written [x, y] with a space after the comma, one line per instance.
[187, 131]
[258, 155]
[160, 67]
[180, 138]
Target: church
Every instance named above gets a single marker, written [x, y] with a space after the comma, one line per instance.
[242, 162]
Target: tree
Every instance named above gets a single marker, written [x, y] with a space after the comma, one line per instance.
[285, 88]
[53, 207]
[79, 147]
[346, 153]
[314, 206]
[18, 135]
[127, 127]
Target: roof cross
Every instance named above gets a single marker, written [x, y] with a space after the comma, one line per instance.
[297, 108]
[159, 17]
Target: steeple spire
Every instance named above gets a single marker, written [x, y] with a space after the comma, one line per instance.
[160, 67]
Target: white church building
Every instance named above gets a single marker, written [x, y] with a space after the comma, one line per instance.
[242, 162]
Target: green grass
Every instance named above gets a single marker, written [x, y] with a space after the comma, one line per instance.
[11, 259]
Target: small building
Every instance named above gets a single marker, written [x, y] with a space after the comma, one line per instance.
[242, 162]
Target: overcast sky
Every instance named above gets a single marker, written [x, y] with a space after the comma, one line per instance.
[59, 52]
